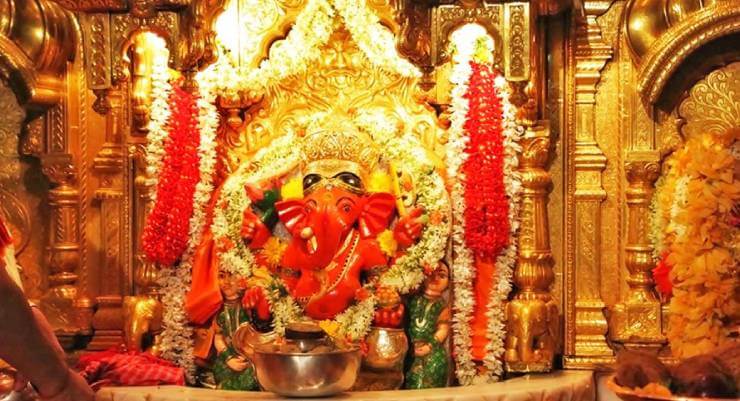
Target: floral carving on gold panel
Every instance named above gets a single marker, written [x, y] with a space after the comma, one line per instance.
[714, 103]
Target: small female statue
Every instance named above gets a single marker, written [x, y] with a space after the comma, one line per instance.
[231, 370]
[429, 327]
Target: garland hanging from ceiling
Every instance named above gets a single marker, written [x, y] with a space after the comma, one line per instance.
[302, 47]
[181, 162]
[483, 143]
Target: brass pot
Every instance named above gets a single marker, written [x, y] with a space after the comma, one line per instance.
[386, 348]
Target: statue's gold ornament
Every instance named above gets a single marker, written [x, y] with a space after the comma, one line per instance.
[337, 147]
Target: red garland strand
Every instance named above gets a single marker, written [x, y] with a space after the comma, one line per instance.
[167, 229]
[486, 203]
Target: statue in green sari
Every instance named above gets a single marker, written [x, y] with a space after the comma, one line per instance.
[231, 370]
[429, 327]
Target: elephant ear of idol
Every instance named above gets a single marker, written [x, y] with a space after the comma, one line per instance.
[376, 214]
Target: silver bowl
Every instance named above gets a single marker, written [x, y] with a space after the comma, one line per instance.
[307, 374]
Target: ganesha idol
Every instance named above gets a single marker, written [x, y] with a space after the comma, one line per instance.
[318, 233]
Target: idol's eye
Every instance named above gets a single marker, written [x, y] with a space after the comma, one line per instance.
[311, 180]
[349, 179]
[346, 205]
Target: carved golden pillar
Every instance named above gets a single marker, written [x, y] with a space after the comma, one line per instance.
[109, 164]
[142, 313]
[636, 321]
[68, 313]
[586, 326]
[533, 320]
[145, 272]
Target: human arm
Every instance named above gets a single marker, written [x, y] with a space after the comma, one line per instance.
[24, 345]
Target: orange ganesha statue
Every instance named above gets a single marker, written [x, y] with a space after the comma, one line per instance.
[317, 241]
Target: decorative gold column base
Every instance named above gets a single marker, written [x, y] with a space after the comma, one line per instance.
[108, 324]
[637, 326]
[590, 329]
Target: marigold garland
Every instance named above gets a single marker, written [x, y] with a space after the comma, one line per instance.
[693, 225]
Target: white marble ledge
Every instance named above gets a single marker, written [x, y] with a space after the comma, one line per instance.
[558, 386]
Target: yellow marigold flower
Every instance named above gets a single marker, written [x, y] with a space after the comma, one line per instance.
[379, 182]
[387, 243]
[293, 189]
[273, 251]
[330, 327]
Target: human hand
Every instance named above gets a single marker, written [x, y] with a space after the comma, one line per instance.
[237, 364]
[255, 299]
[408, 228]
[75, 389]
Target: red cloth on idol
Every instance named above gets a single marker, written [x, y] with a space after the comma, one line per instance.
[204, 298]
[128, 368]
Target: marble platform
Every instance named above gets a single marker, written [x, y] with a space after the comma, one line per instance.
[558, 386]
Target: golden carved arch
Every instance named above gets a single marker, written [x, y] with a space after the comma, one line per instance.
[662, 42]
[343, 80]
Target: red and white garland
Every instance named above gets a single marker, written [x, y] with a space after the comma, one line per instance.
[483, 141]
[181, 162]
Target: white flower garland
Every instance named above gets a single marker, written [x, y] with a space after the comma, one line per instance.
[506, 261]
[373, 39]
[288, 57]
[159, 113]
[301, 47]
[177, 336]
[355, 322]
[462, 267]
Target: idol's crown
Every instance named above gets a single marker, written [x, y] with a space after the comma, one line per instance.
[340, 140]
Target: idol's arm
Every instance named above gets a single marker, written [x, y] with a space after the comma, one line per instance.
[443, 326]
[23, 344]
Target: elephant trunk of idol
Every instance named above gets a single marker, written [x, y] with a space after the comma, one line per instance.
[322, 237]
